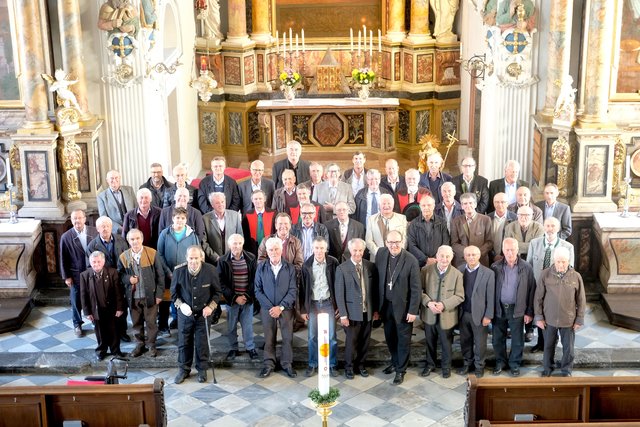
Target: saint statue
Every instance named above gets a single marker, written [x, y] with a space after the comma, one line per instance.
[209, 15]
[518, 14]
[119, 16]
[445, 13]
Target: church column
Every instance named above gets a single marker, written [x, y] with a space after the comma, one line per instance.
[32, 65]
[395, 29]
[237, 34]
[260, 21]
[419, 31]
[71, 44]
[559, 49]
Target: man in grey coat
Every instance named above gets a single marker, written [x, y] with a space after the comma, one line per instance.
[116, 200]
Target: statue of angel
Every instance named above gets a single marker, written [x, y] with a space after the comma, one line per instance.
[60, 85]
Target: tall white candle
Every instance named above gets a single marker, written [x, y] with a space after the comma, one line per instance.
[351, 34]
[359, 39]
[379, 40]
[277, 43]
[290, 41]
[371, 44]
[303, 48]
[284, 43]
[8, 168]
[364, 37]
[628, 175]
[296, 43]
[323, 353]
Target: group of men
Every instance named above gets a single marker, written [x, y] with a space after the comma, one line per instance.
[455, 251]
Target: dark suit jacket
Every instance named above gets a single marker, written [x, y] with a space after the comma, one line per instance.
[230, 189]
[360, 214]
[318, 230]
[131, 221]
[213, 244]
[302, 172]
[562, 212]
[274, 291]
[348, 291]
[266, 185]
[72, 254]
[483, 294]
[424, 238]
[407, 285]
[480, 235]
[400, 186]
[337, 248]
[170, 193]
[425, 182]
[479, 186]
[497, 186]
[226, 276]
[457, 211]
[111, 259]
[194, 220]
[157, 197]
[249, 228]
[97, 297]
[107, 205]
[510, 218]
[525, 292]
[307, 282]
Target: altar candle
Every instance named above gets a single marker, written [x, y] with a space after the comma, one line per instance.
[364, 37]
[203, 63]
[359, 39]
[290, 41]
[284, 43]
[303, 48]
[277, 43]
[296, 43]
[379, 40]
[8, 168]
[351, 34]
[323, 353]
[628, 167]
[371, 44]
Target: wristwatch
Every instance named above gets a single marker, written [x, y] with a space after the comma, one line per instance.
[282, 308]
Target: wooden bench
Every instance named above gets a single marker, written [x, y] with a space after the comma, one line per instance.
[94, 405]
[597, 401]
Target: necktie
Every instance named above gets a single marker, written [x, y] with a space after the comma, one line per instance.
[464, 186]
[412, 198]
[374, 203]
[362, 287]
[333, 191]
[547, 257]
[343, 231]
[260, 233]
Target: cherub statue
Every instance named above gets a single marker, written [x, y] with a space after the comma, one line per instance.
[60, 85]
[565, 109]
[119, 16]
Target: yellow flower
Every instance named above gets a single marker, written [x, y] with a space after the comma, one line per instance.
[283, 76]
[296, 76]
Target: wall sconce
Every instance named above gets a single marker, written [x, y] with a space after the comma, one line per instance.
[206, 82]
[476, 66]
[161, 67]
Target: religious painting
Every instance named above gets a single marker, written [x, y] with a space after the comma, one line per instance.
[596, 167]
[9, 258]
[625, 251]
[38, 186]
[9, 84]
[625, 83]
[83, 172]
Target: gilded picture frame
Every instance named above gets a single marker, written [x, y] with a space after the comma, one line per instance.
[625, 75]
[10, 90]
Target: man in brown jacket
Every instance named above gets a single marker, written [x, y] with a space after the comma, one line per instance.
[442, 292]
[471, 229]
[559, 308]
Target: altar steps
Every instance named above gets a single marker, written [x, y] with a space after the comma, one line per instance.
[622, 309]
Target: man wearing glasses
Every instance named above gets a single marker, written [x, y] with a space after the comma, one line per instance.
[398, 300]
[257, 182]
[332, 191]
[309, 230]
[469, 182]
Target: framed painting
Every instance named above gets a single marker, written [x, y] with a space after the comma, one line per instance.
[625, 76]
[38, 185]
[9, 66]
[595, 183]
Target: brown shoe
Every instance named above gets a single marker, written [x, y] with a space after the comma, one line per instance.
[153, 351]
[137, 352]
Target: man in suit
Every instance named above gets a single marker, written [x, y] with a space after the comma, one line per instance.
[551, 207]
[356, 291]
[411, 193]
[218, 225]
[318, 296]
[293, 161]
[469, 182]
[218, 182]
[332, 191]
[449, 208]
[427, 233]
[257, 182]
[258, 222]
[500, 218]
[442, 293]
[285, 198]
[472, 228]
[540, 257]
[341, 229]
[74, 259]
[316, 173]
[393, 181]
[304, 197]
[157, 184]
[380, 224]
[194, 217]
[276, 290]
[180, 176]
[476, 311]
[309, 230]
[523, 198]
[434, 177]
[513, 307]
[102, 303]
[368, 199]
[111, 245]
[145, 218]
[398, 300]
[508, 184]
[116, 200]
[356, 176]
[524, 230]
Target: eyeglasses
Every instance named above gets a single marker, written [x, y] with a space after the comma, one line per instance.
[257, 170]
[394, 243]
[307, 213]
[468, 166]
[524, 215]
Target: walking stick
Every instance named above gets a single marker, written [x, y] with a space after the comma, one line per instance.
[213, 369]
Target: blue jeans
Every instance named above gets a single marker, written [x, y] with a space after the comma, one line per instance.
[76, 304]
[244, 314]
[312, 327]
[500, 325]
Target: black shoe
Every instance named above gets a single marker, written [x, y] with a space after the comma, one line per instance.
[100, 356]
[182, 375]
[333, 372]
[464, 370]
[348, 374]
[536, 348]
[515, 372]
[253, 354]
[427, 371]
[173, 324]
[202, 376]
[364, 373]
[399, 378]
[389, 370]
[119, 354]
[265, 372]
[164, 332]
[291, 373]
[446, 373]
[215, 317]
[125, 338]
[137, 352]
[310, 371]
[528, 337]
[232, 354]
[545, 374]
[153, 351]
[479, 373]
[497, 370]
[565, 374]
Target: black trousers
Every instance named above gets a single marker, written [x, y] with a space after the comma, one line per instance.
[398, 337]
[356, 345]
[432, 334]
[567, 337]
[192, 334]
[270, 328]
[105, 329]
[473, 341]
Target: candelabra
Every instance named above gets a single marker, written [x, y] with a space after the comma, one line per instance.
[477, 66]
[206, 83]
[13, 217]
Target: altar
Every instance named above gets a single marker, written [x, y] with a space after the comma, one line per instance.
[329, 124]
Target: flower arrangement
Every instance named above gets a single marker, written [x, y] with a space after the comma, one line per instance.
[288, 77]
[324, 399]
[363, 76]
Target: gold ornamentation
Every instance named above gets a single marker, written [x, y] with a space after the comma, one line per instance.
[67, 118]
[430, 144]
[264, 121]
[514, 70]
[391, 119]
[14, 156]
[561, 153]
[619, 154]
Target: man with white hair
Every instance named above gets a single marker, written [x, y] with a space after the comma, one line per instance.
[257, 182]
[180, 177]
[368, 199]
[194, 217]
[559, 309]
[145, 218]
[449, 208]
[524, 230]
[116, 200]
[411, 193]
[551, 207]
[276, 290]
[332, 191]
[218, 224]
[523, 198]
[469, 182]
[300, 167]
[434, 178]
[508, 184]
[380, 224]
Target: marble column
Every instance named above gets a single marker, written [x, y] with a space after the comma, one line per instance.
[419, 31]
[597, 65]
[32, 65]
[237, 34]
[260, 20]
[72, 61]
[395, 28]
[559, 51]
